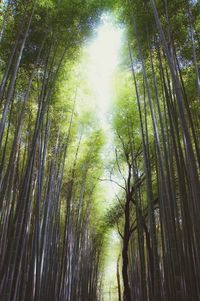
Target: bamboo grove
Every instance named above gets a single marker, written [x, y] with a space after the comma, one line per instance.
[51, 241]
[156, 126]
[46, 253]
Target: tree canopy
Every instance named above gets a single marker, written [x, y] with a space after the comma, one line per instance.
[53, 227]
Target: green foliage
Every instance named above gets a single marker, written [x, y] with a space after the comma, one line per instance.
[113, 216]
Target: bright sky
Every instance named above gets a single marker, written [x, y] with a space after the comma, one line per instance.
[103, 54]
[103, 58]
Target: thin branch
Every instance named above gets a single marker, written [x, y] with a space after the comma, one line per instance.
[120, 234]
[113, 181]
[117, 161]
[122, 205]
